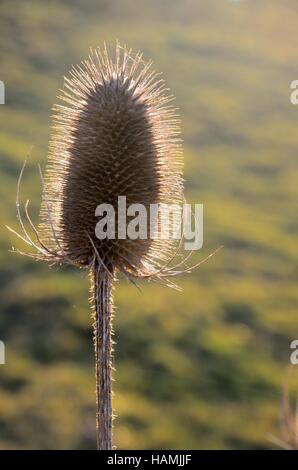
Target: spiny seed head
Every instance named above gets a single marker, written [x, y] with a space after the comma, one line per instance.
[115, 134]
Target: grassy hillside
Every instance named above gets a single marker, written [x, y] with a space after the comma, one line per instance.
[197, 369]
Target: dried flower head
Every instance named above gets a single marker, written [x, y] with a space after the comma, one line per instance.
[116, 134]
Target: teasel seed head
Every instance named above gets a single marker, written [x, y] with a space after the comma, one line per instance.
[114, 134]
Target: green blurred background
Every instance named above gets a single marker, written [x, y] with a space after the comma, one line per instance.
[198, 369]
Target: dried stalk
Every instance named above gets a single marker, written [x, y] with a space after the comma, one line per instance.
[102, 295]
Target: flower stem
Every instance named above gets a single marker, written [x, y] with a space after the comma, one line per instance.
[102, 293]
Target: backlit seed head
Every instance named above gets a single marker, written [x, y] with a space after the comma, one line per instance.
[115, 133]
